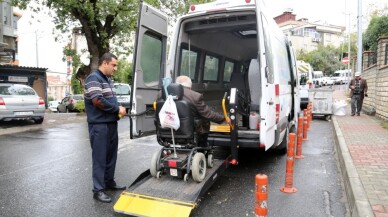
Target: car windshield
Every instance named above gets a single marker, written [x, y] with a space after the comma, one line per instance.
[337, 74]
[17, 90]
[122, 89]
[78, 97]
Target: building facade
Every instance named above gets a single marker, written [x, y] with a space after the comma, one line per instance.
[8, 33]
[308, 36]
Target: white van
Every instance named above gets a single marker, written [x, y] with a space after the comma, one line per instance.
[318, 79]
[341, 76]
[305, 75]
[213, 43]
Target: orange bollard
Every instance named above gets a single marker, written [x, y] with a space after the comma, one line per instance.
[308, 116]
[311, 111]
[299, 139]
[305, 128]
[288, 188]
[261, 193]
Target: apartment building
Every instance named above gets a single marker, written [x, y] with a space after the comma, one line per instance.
[307, 36]
[8, 33]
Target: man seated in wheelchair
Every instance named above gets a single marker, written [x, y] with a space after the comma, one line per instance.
[194, 115]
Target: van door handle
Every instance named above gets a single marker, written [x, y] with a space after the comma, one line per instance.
[270, 103]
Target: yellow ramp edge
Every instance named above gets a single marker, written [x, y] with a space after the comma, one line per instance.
[142, 205]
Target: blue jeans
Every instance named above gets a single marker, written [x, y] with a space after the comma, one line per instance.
[104, 142]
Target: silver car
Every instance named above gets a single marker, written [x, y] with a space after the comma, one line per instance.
[20, 102]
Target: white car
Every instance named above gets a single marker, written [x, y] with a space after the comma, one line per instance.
[327, 81]
[20, 102]
[53, 106]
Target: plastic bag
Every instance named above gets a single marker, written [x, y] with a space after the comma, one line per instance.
[168, 115]
[339, 108]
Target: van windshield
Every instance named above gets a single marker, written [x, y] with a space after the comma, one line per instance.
[337, 74]
[122, 89]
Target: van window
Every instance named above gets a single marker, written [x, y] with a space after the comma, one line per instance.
[268, 51]
[228, 69]
[188, 63]
[151, 56]
[210, 72]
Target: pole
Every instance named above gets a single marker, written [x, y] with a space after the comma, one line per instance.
[36, 48]
[359, 40]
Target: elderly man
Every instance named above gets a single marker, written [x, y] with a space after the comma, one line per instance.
[358, 89]
[199, 109]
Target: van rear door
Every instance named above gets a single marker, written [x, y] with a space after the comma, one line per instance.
[149, 66]
[268, 104]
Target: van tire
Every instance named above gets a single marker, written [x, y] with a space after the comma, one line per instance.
[282, 148]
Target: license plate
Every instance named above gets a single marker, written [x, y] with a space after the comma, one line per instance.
[173, 172]
[23, 113]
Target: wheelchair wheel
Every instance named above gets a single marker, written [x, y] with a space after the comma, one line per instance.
[198, 167]
[210, 161]
[154, 167]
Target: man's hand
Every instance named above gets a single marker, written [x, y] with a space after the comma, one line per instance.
[122, 111]
[352, 87]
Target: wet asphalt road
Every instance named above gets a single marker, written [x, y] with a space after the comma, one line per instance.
[47, 172]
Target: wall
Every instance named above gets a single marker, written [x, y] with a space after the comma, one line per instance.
[377, 78]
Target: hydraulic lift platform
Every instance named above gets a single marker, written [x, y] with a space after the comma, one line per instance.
[166, 196]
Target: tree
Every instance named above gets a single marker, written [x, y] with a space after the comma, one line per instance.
[103, 22]
[378, 26]
[325, 59]
[124, 72]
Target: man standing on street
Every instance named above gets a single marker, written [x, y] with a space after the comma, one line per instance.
[358, 89]
[103, 112]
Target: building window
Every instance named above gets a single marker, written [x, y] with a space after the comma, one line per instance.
[386, 55]
[7, 10]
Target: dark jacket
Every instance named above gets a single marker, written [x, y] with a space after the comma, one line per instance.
[97, 85]
[200, 110]
[363, 87]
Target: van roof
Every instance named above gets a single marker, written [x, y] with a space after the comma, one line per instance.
[220, 5]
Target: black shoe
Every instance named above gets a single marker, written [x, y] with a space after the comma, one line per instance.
[115, 187]
[352, 114]
[102, 197]
[358, 114]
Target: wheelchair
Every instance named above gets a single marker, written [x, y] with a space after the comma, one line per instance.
[181, 154]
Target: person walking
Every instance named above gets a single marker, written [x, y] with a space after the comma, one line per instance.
[103, 111]
[358, 89]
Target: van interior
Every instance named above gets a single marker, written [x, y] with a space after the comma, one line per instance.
[216, 52]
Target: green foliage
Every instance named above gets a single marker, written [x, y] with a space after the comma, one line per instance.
[325, 59]
[104, 23]
[80, 106]
[124, 72]
[378, 26]
[50, 98]
[76, 85]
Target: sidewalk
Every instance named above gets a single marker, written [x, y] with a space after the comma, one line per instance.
[362, 148]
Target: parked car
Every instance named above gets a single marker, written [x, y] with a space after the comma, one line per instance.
[68, 103]
[327, 81]
[20, 102]
[123, 92]
[53, 106]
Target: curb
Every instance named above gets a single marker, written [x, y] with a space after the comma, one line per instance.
[355, 192]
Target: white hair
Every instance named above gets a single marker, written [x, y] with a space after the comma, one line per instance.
[184, 81]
